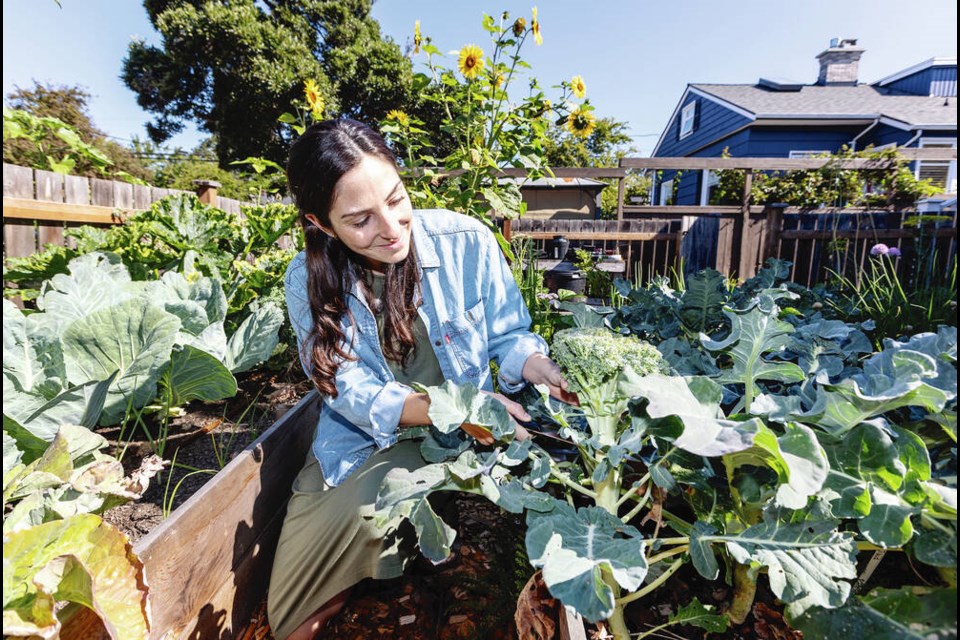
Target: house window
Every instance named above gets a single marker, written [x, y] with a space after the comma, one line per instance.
[942, 173]
[710, 181]
[687, 117]
[666, 192]
[799, 155]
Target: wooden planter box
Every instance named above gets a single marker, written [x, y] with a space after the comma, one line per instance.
[208, 565]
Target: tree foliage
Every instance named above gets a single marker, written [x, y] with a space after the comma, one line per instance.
[69, 104]
[234, 68]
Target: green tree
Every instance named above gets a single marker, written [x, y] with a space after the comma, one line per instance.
[606, 144]
[69, 104]
[234, 67]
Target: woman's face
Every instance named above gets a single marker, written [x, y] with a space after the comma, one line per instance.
[371, 213]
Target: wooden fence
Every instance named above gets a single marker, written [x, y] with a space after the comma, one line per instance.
[39, 205]
[737, 240]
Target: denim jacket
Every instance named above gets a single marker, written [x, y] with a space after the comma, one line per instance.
[473, 313]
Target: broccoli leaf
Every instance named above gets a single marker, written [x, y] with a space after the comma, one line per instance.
[574, 547]
[908, 613]
[755, 331]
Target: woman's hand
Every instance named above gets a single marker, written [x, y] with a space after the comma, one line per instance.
[516, 411]
[539, 369]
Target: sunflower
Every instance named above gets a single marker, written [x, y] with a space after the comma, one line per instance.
[578, 87]
[496, 80]
[519, 27]
[471, 61]
[417, 38]
[312, 93]
[581, 123]
[535, 27]
[399, 116]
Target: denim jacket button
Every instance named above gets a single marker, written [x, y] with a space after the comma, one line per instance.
[437, 343]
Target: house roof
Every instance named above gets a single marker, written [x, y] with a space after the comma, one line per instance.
[862, 101]
[909, 71]
[557, 183]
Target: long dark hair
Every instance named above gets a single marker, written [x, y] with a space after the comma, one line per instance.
[318, 159]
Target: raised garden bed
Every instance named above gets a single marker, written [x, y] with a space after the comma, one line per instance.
[207, 566]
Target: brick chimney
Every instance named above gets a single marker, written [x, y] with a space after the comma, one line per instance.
[839, 63]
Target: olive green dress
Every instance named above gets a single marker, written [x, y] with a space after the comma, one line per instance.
[328, 543]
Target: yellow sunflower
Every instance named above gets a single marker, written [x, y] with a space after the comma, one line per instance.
[471, 61]
[581, 123]
[312, 93]
[398, 116]
[535, 27]
[578, 87]
[519, 27]
[417, 38]
[497, 80]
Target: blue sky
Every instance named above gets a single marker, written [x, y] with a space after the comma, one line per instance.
[636, 57]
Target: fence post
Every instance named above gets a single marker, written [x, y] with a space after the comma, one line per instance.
[772, 226]
[620, 193]
[207, 191]
[748, 264]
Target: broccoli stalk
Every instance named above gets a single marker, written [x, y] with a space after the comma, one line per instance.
[594, 360]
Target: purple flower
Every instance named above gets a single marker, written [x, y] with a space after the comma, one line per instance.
[879, 249]
[893, 253]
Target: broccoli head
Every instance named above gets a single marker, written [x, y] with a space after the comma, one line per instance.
[593, 356]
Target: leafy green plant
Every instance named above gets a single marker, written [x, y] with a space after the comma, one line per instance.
[102, 345]
[792, 454]
[20, 124]
[598, 280]
[485, 127]
[56, 548]
[899, 304]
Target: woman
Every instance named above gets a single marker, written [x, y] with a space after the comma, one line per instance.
[383, 296]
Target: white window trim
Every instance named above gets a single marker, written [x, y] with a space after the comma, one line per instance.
[688, 115]
[666, 191]
[709, 179]
[951, 182]
[799, 154]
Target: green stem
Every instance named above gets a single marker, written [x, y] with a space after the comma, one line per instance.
[744, 591]
[663, 577]
[616, 621]
[638, 508]
[668, 554]
[567, 482]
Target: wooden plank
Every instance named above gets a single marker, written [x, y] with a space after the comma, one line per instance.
[208, 564]
[76, 189]
[571, 625]
[50, 233]
[773, 224]
[49, 185]
[681, 210]
[748, 239]
[17, 181]
[101, 193]
[621, 189]
[879, 234]
[600, 237]
[123, 195]
[18, 208]
[141, 196]
[19, 238]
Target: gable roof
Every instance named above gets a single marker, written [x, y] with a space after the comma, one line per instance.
[917, 68]
[813, 102]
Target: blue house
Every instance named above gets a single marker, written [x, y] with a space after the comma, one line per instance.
[915, 107]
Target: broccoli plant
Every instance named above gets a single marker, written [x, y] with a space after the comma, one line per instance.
[631, 420]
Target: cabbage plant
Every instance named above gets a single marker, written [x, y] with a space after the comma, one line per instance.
[101, 346]
[56, 548]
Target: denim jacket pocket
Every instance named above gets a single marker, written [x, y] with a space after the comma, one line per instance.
[467, 336]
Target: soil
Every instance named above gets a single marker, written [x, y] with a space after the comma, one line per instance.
[473, 595]
[198, 444]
